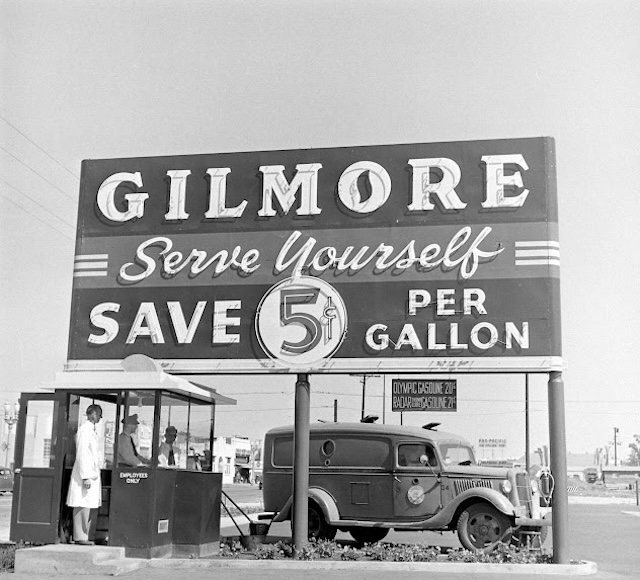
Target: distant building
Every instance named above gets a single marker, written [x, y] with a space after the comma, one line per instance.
[239, 459]
[621, 473]
[576, 464]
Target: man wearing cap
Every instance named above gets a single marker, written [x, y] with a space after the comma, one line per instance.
[85, 490]
[168, 454]
[127, 452]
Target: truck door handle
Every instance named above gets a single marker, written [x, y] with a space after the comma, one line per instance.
[395, 477]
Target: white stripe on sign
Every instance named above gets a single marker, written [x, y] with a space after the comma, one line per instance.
[545, 244]
[90, 265]
[89, 274]
[92, 257]
[537, 253]
[547, 262]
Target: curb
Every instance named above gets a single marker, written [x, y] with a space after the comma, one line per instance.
[584, 568]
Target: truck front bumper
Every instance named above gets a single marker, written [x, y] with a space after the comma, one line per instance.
[533, 522]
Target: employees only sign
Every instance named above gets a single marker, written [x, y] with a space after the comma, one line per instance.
[393, 258]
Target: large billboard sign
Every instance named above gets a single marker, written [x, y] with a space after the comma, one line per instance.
[393, 258]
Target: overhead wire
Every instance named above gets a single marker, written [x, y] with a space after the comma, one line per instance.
[36, 202]
[38, 218]
[37, 173]
[40, 148]
[41, 176]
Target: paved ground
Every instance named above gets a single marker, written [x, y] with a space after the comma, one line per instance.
[604, 530]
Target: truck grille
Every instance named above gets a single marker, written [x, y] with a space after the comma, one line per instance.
[461, 485]
[524, 490]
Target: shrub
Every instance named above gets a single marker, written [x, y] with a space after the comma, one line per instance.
[275, 551]
[350, 554]
[463, 555]
[401, 553]
[501, 554]
[324, 548]
[318, 549]
[8, 555]
[230, 549]
[307, 553]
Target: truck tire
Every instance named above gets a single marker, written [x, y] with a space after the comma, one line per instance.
[481, 527]
[319, 529]
[368, 535]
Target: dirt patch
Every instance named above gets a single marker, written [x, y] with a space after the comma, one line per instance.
[622, 488]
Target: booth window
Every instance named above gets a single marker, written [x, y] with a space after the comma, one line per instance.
[138, 406]
[185, 433]
[38, 433]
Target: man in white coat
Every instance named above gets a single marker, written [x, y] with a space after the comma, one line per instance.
[85, 489]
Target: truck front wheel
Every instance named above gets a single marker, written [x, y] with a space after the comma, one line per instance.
[481, 527]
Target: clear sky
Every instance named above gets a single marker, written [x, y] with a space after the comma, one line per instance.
[98, 79]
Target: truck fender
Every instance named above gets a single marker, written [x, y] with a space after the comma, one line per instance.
[321, 497]
[327, 504]
[495, 498]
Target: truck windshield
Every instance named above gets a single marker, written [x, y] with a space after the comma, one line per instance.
[456, 453]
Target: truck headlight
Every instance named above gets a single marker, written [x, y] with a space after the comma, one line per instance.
[506, 486]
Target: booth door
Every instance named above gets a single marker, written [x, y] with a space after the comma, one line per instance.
[38, 469]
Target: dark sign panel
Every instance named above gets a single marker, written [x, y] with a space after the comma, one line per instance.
[424, 395]
[395, 258]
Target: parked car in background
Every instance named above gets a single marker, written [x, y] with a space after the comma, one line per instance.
[6, 480]
[366, 478]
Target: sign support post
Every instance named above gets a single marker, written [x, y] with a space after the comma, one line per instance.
[558, 448]
[301, 464]
[527, 448]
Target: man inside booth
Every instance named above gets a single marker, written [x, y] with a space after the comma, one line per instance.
[168, 452]
[127, 452]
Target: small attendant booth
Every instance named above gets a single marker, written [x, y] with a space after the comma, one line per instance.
[153, 510]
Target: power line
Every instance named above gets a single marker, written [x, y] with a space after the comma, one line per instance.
[276, 409]
[37, 203]
[39, 219]
[40, 148]
[37, 173]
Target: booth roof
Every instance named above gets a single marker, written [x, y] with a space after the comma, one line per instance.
[135, 380]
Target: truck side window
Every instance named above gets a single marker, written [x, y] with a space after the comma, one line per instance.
[409, 454]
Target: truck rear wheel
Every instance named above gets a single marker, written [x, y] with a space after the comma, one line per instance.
[368, 535]
[481, 527]
[319, 529]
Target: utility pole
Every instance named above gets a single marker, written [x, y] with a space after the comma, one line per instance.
[363, 380]
[615, 446]
[384, 396]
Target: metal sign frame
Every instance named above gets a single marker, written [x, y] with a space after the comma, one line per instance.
[440, 257]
